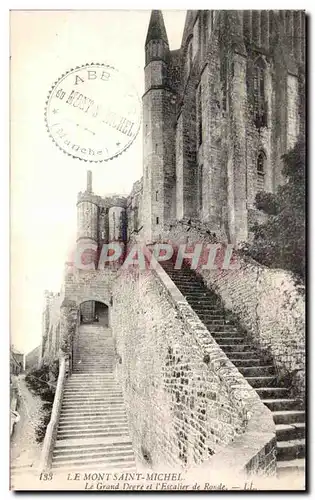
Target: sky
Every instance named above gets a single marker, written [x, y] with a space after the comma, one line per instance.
[44, 181]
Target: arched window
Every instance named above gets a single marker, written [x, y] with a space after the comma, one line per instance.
[199, 116]
[260, 103]
[224, 78]
[261, 170]
[189, 56]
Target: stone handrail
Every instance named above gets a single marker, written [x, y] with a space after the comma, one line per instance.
[266, 301]
[51, 431]
[251, 451]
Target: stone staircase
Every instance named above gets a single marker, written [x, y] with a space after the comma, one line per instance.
[288, 413]
[93, 429]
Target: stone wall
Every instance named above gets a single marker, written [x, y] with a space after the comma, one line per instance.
[32, 359]
[186, 402]
[81, 285]
[51, 336]
[266, 301]
[223, 68]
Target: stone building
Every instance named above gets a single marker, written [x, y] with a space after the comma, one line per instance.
[218, 114]
[193, 352]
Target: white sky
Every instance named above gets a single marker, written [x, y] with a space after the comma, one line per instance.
[44, 181]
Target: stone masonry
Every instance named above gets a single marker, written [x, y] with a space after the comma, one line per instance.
[218, 114]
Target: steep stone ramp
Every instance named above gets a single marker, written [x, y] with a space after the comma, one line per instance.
[93, 429]
[259, 371]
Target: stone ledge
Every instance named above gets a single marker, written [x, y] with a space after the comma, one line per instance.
[259, 433]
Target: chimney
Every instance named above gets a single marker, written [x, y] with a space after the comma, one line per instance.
[89, 181]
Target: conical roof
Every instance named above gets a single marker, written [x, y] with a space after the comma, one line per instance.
[156, 30]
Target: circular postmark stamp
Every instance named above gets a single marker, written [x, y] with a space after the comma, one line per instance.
[93, 113]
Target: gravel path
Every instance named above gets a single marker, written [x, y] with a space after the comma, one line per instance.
[25, 451]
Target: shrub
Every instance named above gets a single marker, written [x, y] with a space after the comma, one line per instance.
[280, 241]
[42, 382]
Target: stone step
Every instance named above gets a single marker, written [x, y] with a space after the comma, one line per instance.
[93, 412]
[248, 362]
[289, 450]
[111, 465]
[200, 297]
[90, 358]
[77, 380]
[208, 317]
[106, 418]
[96, 349]
[221, 330]
[95, 356]
[92, 424]
[203, 302]
[287, 432]
[62, 446]
[99, 388]
[86, 428]
[95, 345]
[92, 403]
[106, 412]
[95, 391]
[102, 377]
[86, 370]
[93, 365]
[228, 340]
[243, 354]
[92, 397]
[262, 381]
[92, 379]
[281, 404]
[90, 363]
[213, 322]
[98, 421]
[199, 309]
[288, 416]
[290, 466]
[257, 371]
[230, 348]
[72, 396]
[93, 374]
[112, 455]
[94, 433]
[272, 392]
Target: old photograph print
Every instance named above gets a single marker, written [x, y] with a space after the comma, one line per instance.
[157, 250]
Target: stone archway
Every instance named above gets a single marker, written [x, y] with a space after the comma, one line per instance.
[94, 311]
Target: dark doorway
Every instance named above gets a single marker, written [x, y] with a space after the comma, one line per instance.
[93, 311]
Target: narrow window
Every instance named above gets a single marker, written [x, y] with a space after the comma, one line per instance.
[199, 116]
[204, 31]
[261, 166]
[135, 219]
[114, 226]
[199, 186]
[260, 104]
[157, 220]
[190, 56]
[223, 78]
[156, 195]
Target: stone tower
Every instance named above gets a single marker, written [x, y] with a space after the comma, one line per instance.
[87, 216]
[159, 132]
